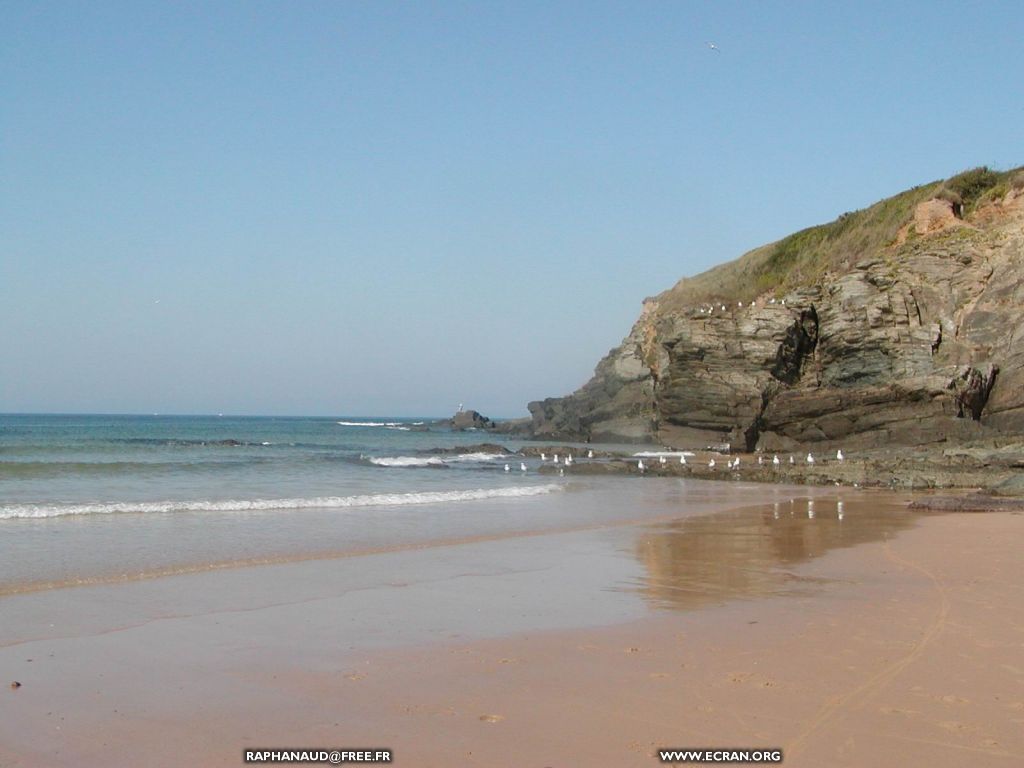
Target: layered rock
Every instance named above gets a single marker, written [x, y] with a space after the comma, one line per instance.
[916, 342]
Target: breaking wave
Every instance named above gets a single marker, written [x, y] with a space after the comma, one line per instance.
[36, 511]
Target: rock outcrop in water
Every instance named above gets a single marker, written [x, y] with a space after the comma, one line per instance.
[470, 420]
[902, 324]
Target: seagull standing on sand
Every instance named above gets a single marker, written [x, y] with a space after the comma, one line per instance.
[810, 459]
[522, 466]
[640, 464]
[661, 459]
[507, 467]
[556, 458]
[792, 460]
[682, 459]
[839, 455]
[543, 457]
[590, 454]
[711, 464]
[775, 459]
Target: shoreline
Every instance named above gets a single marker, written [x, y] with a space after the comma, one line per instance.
[697, 631]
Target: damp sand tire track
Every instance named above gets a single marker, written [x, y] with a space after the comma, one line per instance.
[874, 684]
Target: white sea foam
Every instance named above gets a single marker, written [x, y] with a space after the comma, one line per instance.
[477, 457]
[435, 461]
[666, 454]
[406, 461]
[8, 512]
[370, 423]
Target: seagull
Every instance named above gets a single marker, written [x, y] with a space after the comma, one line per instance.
[711, 464]
[640, 464]
[507, 467]
[661, 459]
[590, 454]
[839, 509]
[760, 460]
[736, 464]
[568, 459]
[682, 459]
[810, 509]
[561, 472]
[775, 460]
[723, 307]
[839, 455]
[556, 458]
[739, 304]
[543, 457]
[713, 47]
[772, 301]
[522, 466]
[791, 460]
[783, 302]
[810, 459]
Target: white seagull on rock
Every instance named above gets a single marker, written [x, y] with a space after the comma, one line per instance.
[839, 455]
[640, 464]
[522, 466]
[810, 459]
[775, 460]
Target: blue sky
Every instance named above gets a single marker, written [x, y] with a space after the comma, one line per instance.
[390, 208]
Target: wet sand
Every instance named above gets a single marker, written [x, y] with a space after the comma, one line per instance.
[884, 638]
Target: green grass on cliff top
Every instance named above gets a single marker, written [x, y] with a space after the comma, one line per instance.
[803, 258]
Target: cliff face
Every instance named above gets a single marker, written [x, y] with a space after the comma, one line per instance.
[915, 341]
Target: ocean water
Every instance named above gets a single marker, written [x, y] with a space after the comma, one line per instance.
[58, 465]
[91, 497]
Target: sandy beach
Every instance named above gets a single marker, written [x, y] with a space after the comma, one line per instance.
[845, 635]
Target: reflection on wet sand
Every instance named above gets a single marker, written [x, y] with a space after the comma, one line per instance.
[706, 560]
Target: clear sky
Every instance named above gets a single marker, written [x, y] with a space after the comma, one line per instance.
[390, 208]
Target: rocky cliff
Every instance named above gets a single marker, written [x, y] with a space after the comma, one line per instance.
[902, 324]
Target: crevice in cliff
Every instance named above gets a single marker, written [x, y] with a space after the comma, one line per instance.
[753, 432]
[800, 342]
[971, 389]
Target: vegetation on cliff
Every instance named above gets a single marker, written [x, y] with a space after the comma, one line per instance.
[803, 258]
